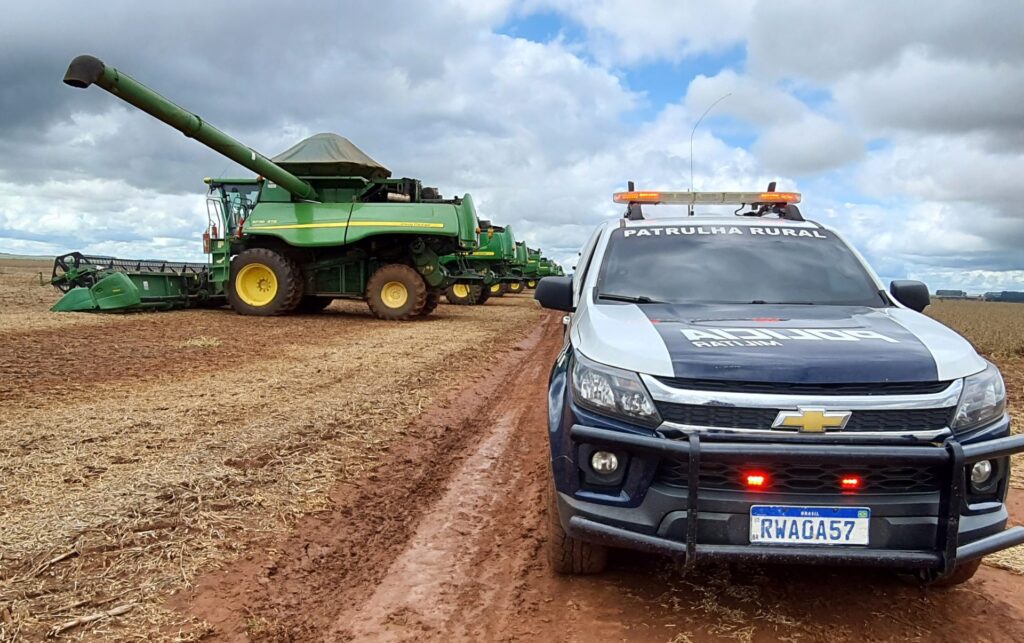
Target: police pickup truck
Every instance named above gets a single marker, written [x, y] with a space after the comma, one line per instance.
[744, 388]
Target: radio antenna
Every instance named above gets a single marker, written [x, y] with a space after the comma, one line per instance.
[693, 131]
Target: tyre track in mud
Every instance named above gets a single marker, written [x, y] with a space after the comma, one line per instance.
[317, 579]
[445, 541]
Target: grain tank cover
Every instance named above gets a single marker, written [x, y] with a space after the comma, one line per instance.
[330, 155]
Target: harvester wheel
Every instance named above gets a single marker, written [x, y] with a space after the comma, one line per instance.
[433, 299]
[516, 287]
[531, 283]
[482, 296]
[396, 291]
[313, 304]
[264, 282]
[462, 294]
[497, 289]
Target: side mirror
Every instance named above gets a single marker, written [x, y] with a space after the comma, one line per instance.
[912, 294]
[555, 293]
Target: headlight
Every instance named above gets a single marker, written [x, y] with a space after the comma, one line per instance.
[983, 400]
[612, 391]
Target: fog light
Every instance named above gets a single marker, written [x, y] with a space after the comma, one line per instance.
[981, 473]
[604, 462]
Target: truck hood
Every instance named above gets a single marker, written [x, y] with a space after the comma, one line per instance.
[774, 343]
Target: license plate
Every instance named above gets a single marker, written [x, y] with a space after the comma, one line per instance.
[787, 525]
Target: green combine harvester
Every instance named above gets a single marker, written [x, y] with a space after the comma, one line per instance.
[490, 271]
[320, 221]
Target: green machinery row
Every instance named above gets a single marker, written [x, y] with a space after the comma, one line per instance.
[320, 221]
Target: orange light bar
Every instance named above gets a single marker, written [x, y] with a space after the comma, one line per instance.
[637, 197]
[850, 482]
[706, 198]
[755, 480]
[779, 197]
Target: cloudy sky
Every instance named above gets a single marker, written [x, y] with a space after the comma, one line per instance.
[901, 122]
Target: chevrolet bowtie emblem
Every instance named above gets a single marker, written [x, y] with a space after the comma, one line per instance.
[811, 420]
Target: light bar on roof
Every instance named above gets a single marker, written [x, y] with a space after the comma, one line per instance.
[706, 198]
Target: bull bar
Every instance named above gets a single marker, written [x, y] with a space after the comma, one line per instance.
[952, 456]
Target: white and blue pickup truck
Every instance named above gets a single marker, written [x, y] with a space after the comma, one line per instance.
[745, 388]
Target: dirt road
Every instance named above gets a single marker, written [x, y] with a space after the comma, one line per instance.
[331, 477]
[443, 541]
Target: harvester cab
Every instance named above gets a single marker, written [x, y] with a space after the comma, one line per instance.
[322, 220]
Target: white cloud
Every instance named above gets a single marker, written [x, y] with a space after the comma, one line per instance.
[923, 94]
[623, 32]
[825, 41]
[539, 133]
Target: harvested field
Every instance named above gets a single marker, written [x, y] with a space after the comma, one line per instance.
[200, 475]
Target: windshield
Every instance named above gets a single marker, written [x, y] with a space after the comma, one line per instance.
[733, 265]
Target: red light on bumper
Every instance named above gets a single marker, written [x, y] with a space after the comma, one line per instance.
[850, 482]
[755, 480]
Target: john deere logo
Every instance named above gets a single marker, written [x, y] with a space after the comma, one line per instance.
[811, 420]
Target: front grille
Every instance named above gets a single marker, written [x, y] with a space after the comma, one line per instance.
[786, 388]
[804, 478]
[755, 418]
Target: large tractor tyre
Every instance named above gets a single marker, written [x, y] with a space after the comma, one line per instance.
[313, 304]
[482, 295]
[497, 289]
[264, 282]
[516, 287]
[433, 299]
[396, 292]
[462, 294]
[531, 283]
[569, 555]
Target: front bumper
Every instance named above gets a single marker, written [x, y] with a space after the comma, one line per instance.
[923, 531]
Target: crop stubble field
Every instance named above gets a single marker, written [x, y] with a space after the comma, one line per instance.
[140, 452]
[137, 450]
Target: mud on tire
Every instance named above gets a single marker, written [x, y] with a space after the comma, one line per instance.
[566, 554]
[960, 574]
[433, 299]
[396, 292]
[264, 282]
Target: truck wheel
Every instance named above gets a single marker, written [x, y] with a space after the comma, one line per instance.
[569, 555]
[264, 282]
[462, 294]
[516, 287]
[396, 292]
[313, 304]
[433, 299]
[497, 290]
[960, 574]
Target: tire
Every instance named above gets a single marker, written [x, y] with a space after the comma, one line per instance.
[433, 299]
[396, 292]
[482, 296]
[497, 289]
[313, 304]
[569, 555]
[960, 574]
[264, 282]
[516, 287]
[462, 294]
[531, 283]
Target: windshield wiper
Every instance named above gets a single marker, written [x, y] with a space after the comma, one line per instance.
[633, 299]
